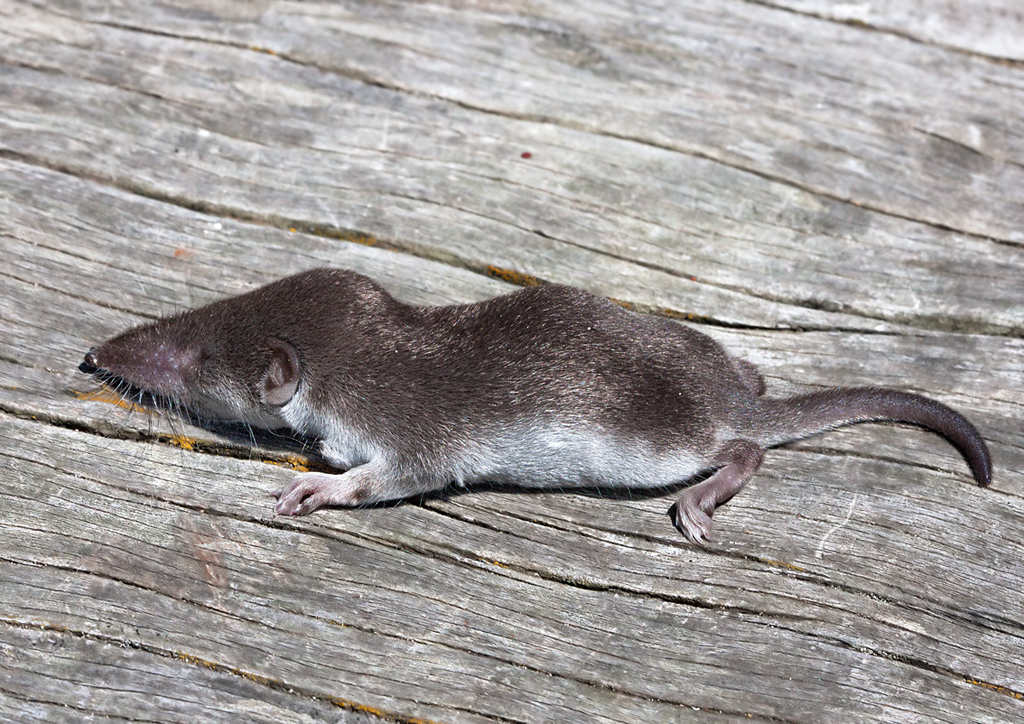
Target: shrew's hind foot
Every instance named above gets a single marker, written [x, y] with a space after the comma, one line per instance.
[692, 513]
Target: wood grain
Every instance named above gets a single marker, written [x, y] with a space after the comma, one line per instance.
[986, 27]
[830, 190]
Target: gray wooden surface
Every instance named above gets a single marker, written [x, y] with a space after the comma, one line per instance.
[832, 190]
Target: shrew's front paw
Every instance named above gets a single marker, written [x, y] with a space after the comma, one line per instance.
[310, 491]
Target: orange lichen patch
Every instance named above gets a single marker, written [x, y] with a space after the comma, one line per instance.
[195, 661]
[357, 238]
[624, 305]
[34, 623]
[260, 49]
[331, 232]
[105, 394]
[185, 443]
[996, 688]
[513, 277]
[673, 314]
[293, 462]
[180, 253]
[780, 564]
[347, 704]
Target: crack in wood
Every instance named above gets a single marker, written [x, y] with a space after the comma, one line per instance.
[457, 555]
[781, 568]
[368, 79]
[695, 153]
[193, 660]
[294, 461]
[279, 685]
[463, 557]
[937, 323]
[915, 662]
[412, 249]
[895, 32]
[237, 120]
[65, 706]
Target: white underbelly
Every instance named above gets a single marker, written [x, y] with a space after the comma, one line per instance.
[561, 456]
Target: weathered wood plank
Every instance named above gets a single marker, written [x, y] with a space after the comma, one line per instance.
[841, 202]
[578, 561]
[988, 27]
[852, 114]
[624, 219]
[63, 677]
[303, 602]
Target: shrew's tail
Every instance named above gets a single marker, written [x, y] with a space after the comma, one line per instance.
[791, 418]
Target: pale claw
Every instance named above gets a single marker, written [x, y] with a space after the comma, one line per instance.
[691, 521]
[310, 491]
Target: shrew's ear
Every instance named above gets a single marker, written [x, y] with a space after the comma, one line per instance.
[281, 377]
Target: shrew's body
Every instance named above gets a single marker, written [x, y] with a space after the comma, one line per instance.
[546, 387]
